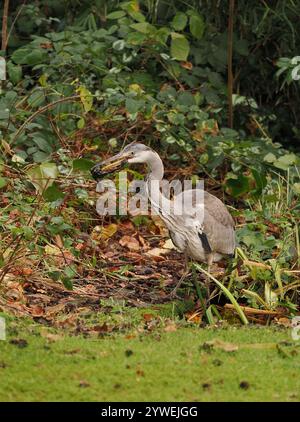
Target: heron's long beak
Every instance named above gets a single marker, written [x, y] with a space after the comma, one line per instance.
[109, 166]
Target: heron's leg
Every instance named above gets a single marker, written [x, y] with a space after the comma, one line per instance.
[210, 259]
[184, 275]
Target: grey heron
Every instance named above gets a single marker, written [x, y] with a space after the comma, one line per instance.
[208, 238]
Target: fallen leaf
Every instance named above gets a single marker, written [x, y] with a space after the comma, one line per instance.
[103, 233]
[148, 317]
[130, 242]
[157, 252]
[84, 384]
[186, 65]
[36, 310]
[170, 327]
[50, 336]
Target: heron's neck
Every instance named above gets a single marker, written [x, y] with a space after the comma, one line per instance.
[156, 167]
[155, 176]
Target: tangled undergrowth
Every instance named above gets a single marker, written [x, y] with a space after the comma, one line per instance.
[59, 258]
[80, 88]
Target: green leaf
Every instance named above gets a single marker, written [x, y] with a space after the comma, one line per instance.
[14, 73]
[81, 123]
[43, 176]
[40, 156]
[3, 182]
[179, 21]
[35, 57]
[53, 193]
[116, 15]
[260, 181]
[186, 98]
[36, 99]
[68, 283]
[86, 98]
[119, 45]
[197, 26]
[270, 157]
[29, 56]
[82, 164]
[42, 144]
[137, 16]
[20, 56]
[296, 188]
[143, 27]
[133, 106]
[179, 47]
[285, 161]
[238, 186]
[136, 38]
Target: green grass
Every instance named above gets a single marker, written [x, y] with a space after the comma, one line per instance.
[148, 366]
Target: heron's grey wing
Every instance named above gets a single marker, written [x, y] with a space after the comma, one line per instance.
[218, 210]
[218, 225]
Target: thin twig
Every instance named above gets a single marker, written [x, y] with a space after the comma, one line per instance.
[15, 20]
[4, 25]
[229, 63]
[42, 110]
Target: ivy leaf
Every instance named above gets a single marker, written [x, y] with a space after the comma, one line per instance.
[180, 47]
[29, 56]
[143, 27]
[137, 16]
[116, 15]
[133, 106]
[14, 72]
[53, 193]
[179, 21]
[285, 161]
[197, 26]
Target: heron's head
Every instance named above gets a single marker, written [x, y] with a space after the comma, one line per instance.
[132, 153]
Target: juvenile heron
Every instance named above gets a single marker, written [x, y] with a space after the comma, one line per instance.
[203, 232]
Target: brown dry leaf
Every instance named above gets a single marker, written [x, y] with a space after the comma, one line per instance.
[36, 310]
[157, 252]
[50, 336]
[170, 327]
[148, 317]
[130, 242]
[14, 291]
[27, 271]
[286, 322]
[159, 226]
[142, 241]
[186, 65]
[195, 317]
[126, 226]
